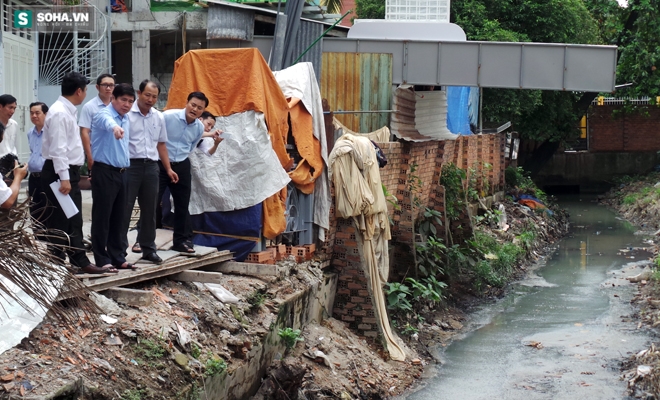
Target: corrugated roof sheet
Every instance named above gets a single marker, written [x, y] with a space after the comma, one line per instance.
[308, 32]
[420, 116]
[226, 22]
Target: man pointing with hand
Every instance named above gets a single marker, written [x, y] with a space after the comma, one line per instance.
[109, 141]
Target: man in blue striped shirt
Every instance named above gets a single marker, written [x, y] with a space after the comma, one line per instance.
[184, 131]
[109, 181]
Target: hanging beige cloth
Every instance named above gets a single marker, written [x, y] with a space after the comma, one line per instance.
[380, 136]
[353, 169]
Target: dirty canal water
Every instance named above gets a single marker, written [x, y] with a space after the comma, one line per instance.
[560, 333]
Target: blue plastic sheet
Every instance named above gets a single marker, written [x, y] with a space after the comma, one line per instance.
[473, 106]
[245, 222]
[458, 120]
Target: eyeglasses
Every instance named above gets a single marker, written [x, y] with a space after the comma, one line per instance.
[107, 85]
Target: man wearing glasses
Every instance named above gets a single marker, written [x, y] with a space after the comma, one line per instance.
[184, 131]
[105, 84]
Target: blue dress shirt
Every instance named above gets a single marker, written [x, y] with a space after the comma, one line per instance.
[105, 148]
[36, 160]
[182, 137]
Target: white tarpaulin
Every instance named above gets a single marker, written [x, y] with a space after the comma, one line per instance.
[16, 323]
[244, 170]
[299, 81]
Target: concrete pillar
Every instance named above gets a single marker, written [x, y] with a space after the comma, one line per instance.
[141, 65]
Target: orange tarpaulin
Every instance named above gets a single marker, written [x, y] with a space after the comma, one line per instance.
[238, 80]
[309, 147]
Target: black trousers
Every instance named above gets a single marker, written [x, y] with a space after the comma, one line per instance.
[65, 231]
[108, 209]
[143, 180]
[181, 195]
[38, 209]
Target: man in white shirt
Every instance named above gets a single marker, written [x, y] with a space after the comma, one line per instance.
[105, 84]
[210, 139]
[146, 146]
[63, 151]
[9, 194]
[7, 110]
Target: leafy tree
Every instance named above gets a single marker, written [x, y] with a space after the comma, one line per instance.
[536, 114]
[370, 9]
[636, 31]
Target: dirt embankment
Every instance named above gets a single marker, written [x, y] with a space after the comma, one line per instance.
[166, 349]
[349, 367]
[638, 201]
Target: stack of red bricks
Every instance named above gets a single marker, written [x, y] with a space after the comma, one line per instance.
[279, 252]
[353, 303]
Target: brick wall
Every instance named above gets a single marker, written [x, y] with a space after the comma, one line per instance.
[352, 302]
[611, 129]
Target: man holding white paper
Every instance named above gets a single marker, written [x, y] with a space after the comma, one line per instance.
[63, 151]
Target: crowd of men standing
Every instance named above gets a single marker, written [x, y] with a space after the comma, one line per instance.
[133, 152]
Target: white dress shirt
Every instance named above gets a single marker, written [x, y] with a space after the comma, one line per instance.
[89, 110]
[8, 144]
[5, 191]
[146, 132]
[205, 145]
[61, 141]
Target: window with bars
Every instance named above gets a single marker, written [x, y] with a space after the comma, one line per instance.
[8, 19]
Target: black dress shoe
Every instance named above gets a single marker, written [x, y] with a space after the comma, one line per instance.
[153, 257]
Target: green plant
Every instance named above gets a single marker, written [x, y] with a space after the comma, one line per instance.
[195, 351]
[427, 289]
[214, 365]
[390, 198]
[459, 257]
[452, 179]
[290, 337]
[486, 275]
[527, 239]
[397, 296]
[472, 182]
[256, 299]
[409, 330]
[150, 349]
[519, 178]
[134, 394]
[429, 256]
[630, 199]
[427, 225]
[491, 217]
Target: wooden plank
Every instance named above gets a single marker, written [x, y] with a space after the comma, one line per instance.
[243, 268]
[198, 276]
[89, 276]
[158, 271]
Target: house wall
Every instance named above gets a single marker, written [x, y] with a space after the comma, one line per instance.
[353, 304]
[611, 129]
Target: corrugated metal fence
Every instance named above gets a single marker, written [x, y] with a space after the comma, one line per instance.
[358, 82]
